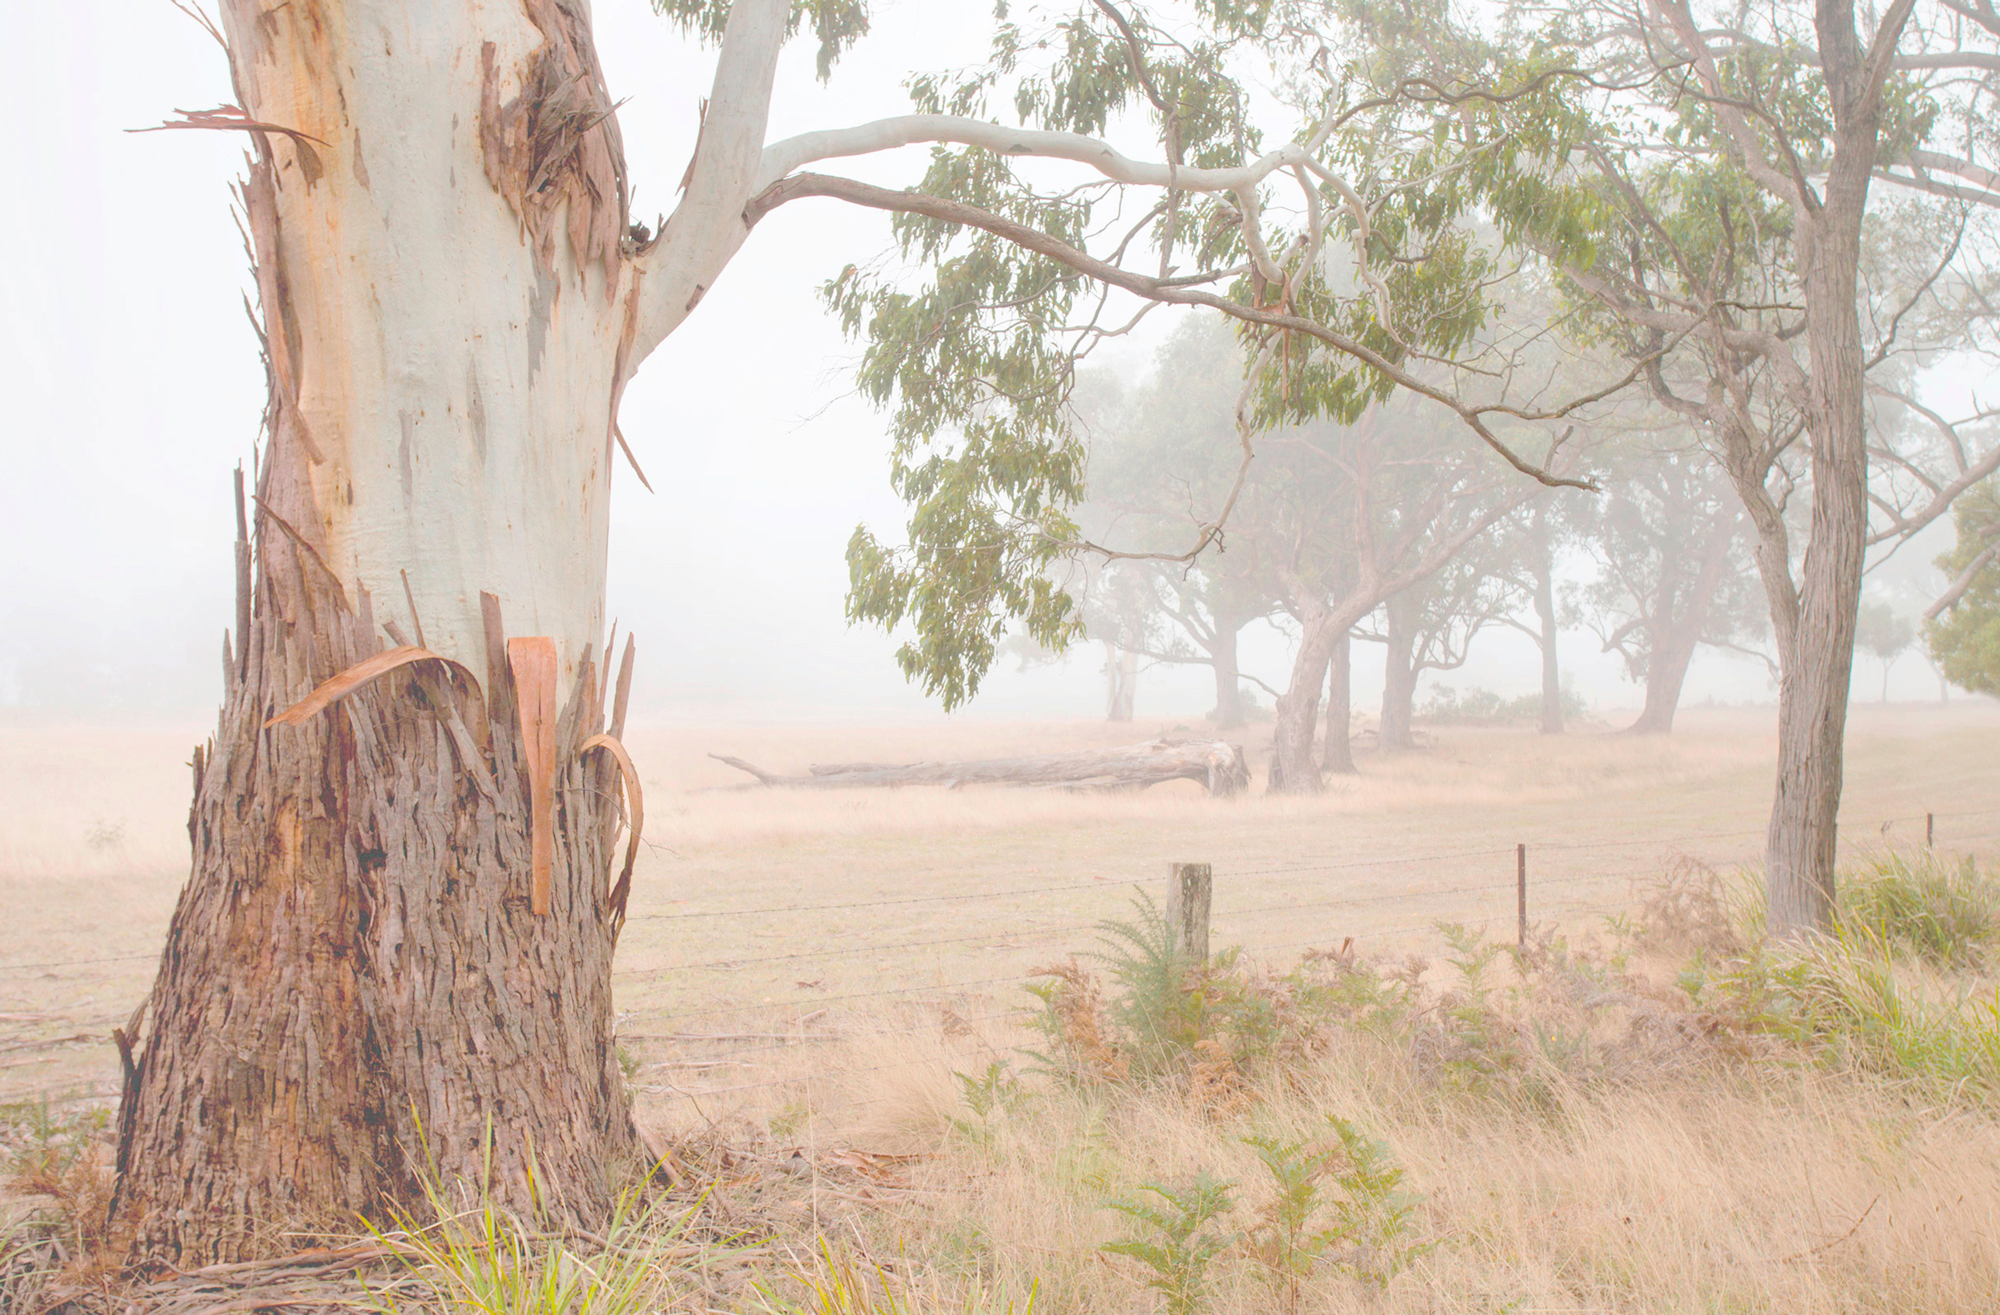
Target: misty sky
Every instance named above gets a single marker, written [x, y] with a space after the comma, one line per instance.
[132, 385]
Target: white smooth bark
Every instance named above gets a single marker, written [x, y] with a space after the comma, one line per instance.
[708, 227]
[780, 158]
[459, 390]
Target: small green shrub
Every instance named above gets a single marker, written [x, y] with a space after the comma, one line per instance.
[1841, 999]
[986, 1097]
[1180, 1238]
[1338, 1202]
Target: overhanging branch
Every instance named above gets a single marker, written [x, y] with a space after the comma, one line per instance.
[798, 186]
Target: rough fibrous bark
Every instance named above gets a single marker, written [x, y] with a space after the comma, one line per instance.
[356, 992]
[1215, 764]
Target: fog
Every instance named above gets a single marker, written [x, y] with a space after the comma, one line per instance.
[132, 386]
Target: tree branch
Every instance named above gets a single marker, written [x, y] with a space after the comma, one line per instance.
[706, 229]
[797, 186]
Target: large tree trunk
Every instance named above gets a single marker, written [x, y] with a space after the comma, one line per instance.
[1818, 670]
[1666, 672]
[1339, 759]
[1399, 677]
[1121, 675]
[1674, 637]
[356, 990]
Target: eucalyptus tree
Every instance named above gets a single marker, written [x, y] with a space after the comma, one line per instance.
[1549, 527]
[1885, 633]
[1161, 457]
[1430, 626]
[1360, 514]
[1667, 544]
[1724, 161]
[392, 956]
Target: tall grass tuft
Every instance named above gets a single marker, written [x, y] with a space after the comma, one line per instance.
[479, 1258]
[1926, 906]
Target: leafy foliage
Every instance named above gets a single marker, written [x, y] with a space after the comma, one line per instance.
[1965, 640]
[837, 24]
[1180, 1237]
[971, 341]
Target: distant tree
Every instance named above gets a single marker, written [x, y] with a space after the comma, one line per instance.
[1549, 527]
[1726, 161]
[1430, 627]
[1962, 629]
[1671, 575]
[1157, 454]
[1885, 633]
[1360, 514]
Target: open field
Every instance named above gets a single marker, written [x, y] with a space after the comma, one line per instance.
[778, 904]
[809, 979]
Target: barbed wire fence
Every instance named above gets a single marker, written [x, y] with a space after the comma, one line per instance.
[1002, 937]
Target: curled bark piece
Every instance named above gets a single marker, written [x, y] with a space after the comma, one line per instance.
[333, 690]
[1216, 765]
[533, 661]
[635, 805]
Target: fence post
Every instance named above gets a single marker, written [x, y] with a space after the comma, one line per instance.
[1930, 830]
[1521, 893]
[1190, 891]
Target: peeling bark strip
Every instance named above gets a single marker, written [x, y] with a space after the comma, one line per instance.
[533, 662]
[635, 822]
[1217, 765]
[339, 687]
[558, 141]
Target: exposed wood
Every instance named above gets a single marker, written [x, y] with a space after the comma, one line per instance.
[623, 697]
[1217, 765]
[532, 660]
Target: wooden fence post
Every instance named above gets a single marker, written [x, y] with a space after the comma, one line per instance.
[1521, 892]
[1190, 891]
[1930, 830]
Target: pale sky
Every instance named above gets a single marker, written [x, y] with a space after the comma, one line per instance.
[131, 387]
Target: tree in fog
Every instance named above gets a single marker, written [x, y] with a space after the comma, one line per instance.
[1671, 577]
[1548, 528]
[1962, 629]
[1430, 626]
[1157, 455]
[1885, 633]
[1359, 514]
[393, 952]
[1725, 161]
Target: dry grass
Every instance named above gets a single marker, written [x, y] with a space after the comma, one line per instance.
[1713, 1177]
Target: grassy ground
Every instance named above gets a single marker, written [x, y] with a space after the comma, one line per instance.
[815, 986]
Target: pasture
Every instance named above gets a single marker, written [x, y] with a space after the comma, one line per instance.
[809, 980]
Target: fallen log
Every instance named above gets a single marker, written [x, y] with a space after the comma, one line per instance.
[1218, 766]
